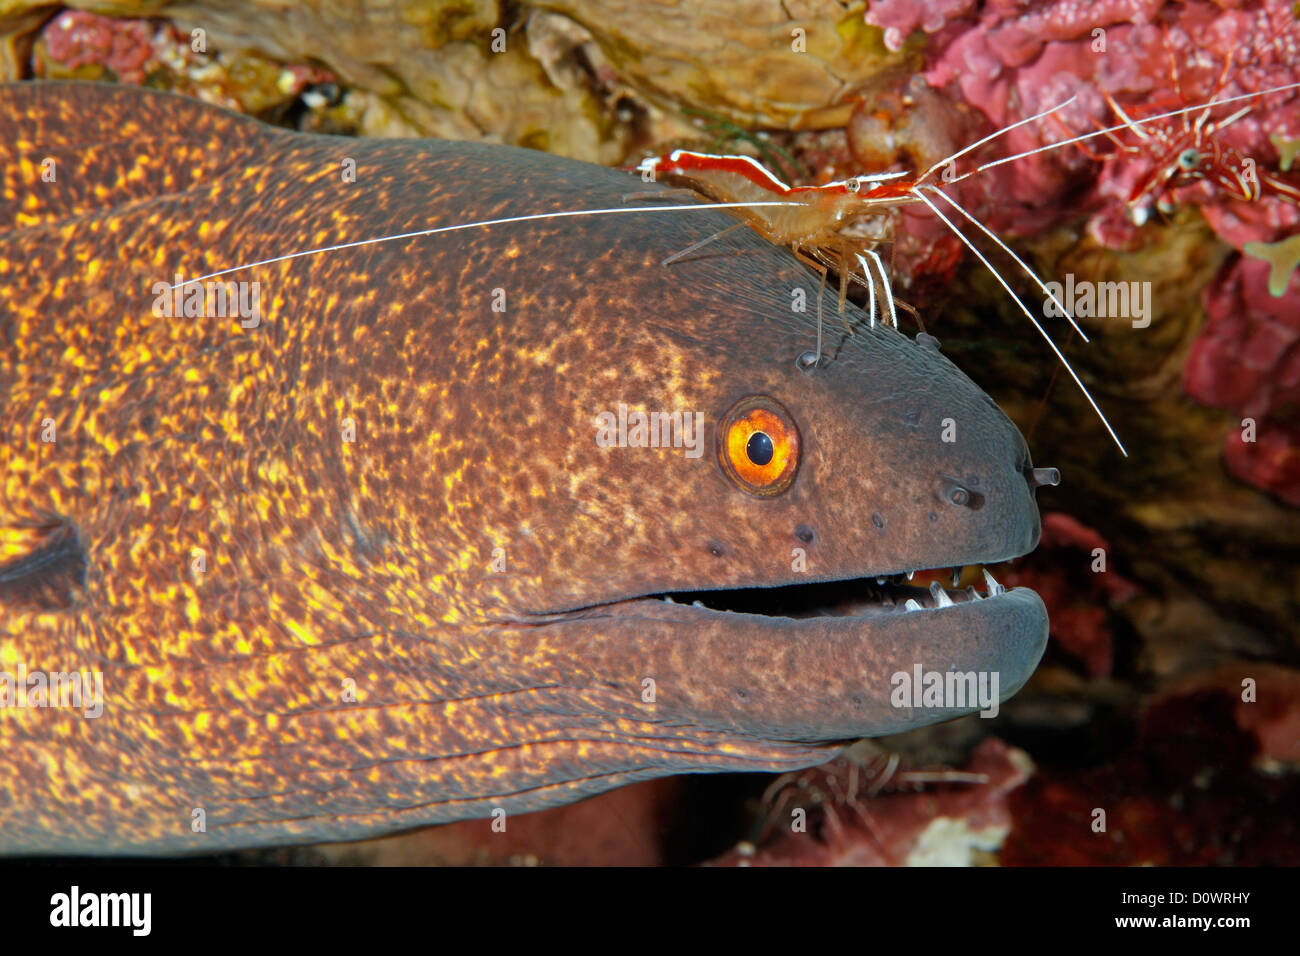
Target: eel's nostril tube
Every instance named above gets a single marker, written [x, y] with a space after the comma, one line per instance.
[1037, 477]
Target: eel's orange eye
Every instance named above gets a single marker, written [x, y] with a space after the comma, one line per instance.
[758, 446]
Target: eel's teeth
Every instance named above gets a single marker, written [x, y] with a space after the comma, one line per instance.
[882, 581]
[940, 596]
[910, 575]
[956, 576]
[697, 604]
[911, 605]
[974, 595]
[994, 588]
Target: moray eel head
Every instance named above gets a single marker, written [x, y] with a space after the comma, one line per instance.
[753, 585]
[482, 520]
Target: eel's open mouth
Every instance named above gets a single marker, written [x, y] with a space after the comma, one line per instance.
[852, 597]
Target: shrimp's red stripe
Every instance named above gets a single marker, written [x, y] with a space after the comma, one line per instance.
[684, 162]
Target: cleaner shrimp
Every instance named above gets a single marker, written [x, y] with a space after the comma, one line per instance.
[824, 224]
[1180, 156]
[846, 786]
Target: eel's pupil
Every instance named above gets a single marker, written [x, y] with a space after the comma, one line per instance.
[759, 448]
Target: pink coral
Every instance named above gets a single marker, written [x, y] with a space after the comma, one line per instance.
[1015, 60]
[898, 18]
[1184, 790]
[77, 38]
[1010, 59]
[1248, 360]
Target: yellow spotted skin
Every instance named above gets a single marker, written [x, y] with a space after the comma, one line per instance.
[362, 565]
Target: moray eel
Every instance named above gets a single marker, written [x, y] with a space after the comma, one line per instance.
[366, 563]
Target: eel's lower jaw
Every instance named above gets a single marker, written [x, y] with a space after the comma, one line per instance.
[820, 662]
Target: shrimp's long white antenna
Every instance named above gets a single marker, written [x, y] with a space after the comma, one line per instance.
[992, 136]
[1007, 249]
[476, 225]
[1113, 129]
[754, 205]
[1023, 308]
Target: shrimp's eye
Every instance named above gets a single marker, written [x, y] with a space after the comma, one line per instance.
[758, 446]
[853, 185]
[1189, 159]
